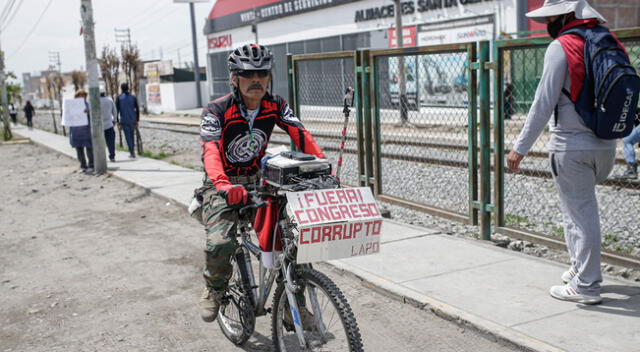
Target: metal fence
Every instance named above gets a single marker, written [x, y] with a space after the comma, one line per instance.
[444, 152]
[422, 153]
[317, 97]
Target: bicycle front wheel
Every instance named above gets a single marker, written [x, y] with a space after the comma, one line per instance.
[327, 319]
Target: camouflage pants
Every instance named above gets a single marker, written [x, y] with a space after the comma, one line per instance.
[219, 223]
[220, 226]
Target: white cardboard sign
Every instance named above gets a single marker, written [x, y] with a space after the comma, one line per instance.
[335, 223]
[73, 114]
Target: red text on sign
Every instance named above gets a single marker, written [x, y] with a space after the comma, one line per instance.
[339, 232]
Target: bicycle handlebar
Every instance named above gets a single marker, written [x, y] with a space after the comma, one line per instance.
[254, 199]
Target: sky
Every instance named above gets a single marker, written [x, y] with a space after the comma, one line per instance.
[158, 27]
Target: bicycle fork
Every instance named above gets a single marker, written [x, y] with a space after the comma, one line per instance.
[291, 288]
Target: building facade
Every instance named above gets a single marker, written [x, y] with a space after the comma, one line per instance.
[315, 26]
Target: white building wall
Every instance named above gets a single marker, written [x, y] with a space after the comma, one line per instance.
[340, 20]
[177, 96]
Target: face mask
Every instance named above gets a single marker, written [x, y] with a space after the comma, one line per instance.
[553, 28]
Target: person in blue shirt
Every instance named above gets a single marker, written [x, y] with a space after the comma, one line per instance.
[128, 116]
[628, 143]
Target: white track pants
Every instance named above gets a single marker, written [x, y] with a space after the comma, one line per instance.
[576, 174]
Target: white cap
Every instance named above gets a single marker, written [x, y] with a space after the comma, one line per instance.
[581, 8]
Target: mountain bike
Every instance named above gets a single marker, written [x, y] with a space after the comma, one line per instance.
[308, 311]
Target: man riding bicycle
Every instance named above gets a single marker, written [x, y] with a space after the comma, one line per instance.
[234, 131]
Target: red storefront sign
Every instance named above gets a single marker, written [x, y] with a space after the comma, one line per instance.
[533, 25]
[408, 37]
[221, 41]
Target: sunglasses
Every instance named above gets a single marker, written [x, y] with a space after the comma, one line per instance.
[249, 74]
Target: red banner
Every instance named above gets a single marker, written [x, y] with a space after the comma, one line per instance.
[221, 41]
[408, 37]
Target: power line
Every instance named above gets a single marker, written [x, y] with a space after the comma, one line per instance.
[12, 16]
[7, 10]
[32, 30]
[145, 12]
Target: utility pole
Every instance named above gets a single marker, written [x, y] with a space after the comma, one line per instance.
[54, 60]
[196, 69]
[123, 36]
[254, 24]
[402, 96]
[194, 39]
[179, 59]
[5, 104]
[97, 134]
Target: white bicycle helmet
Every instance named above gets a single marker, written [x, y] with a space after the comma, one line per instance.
[250, 57]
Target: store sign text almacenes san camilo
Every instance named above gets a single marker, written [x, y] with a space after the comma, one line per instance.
[410, 7]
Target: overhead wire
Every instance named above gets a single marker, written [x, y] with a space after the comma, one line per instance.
[145, 12]
[6, 10]
[12, 16]
[26, 38]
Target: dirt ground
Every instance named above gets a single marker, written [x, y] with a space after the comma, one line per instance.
[94, 264]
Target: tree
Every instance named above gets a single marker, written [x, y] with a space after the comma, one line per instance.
[58, 85]
[51, 92]
[79, 79]
[13, 90]
[131, 66]
[110, 67]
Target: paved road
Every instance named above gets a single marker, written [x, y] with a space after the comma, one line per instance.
[91, 263]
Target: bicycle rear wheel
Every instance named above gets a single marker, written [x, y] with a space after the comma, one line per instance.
[236, 316]
[331, 325]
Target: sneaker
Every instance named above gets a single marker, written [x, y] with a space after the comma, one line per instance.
[88, 170]
[113, 160]
[210, 304]
[568, 275]
[132, 156]
[308, 321]
[567, 293]
[631, 173]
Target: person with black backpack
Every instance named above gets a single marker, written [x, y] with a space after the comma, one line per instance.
[591, 90]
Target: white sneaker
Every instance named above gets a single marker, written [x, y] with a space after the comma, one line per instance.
[567, 293]
[568, 275]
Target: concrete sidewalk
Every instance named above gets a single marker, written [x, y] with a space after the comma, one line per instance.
[501, 292]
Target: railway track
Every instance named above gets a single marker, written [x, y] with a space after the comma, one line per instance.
[326, 139]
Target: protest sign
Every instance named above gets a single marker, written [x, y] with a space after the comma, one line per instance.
[73, 113]
[335, 223]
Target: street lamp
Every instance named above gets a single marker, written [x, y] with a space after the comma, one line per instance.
[196, 69]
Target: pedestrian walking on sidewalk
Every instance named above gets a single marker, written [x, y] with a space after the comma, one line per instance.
[108, 111]
[579, 159]
[128, 116]
[14, 114]
[80, 137]
[29, 111]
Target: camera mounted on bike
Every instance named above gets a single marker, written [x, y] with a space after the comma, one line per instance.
[290, 168]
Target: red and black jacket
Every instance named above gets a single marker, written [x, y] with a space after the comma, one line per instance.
[231, 148]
